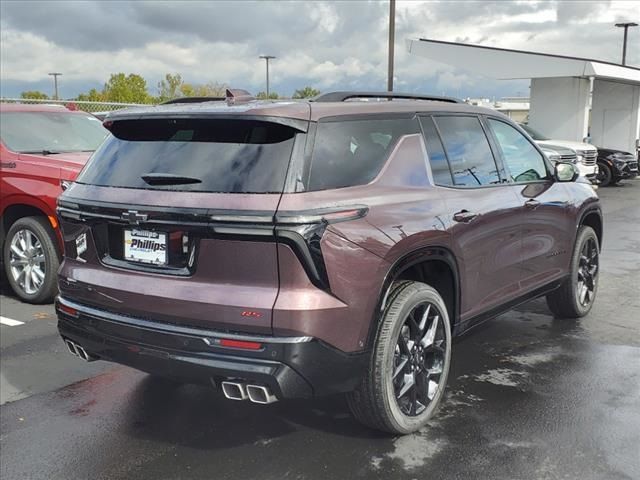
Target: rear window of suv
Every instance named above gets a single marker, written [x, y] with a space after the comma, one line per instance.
[200, 155]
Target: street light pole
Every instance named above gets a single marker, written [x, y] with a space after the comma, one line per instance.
[55, 76]
[626, 26]
[392, 35]
[267, 58]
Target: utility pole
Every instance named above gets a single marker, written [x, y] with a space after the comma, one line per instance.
[267, 58]
[626, 26]
[392, 36]
[55, 76]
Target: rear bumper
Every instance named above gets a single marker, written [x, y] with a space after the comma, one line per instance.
[293, 367]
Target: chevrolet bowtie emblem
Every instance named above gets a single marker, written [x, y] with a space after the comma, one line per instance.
[133, 217]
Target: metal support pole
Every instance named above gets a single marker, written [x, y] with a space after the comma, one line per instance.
[626, 26]
[267, 77]
[267, 58]
[55, 76]
[392, 35]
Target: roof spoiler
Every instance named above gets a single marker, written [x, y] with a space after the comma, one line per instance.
[232, 97]
[344, 96]
[237, 96]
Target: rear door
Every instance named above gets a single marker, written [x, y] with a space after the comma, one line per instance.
[547, 224]
[481, 212]
[172, 220]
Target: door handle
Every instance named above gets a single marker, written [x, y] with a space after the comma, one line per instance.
[532, 204]
[464, 216]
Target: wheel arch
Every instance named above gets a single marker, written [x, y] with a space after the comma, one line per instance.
[17, 210]
[434, 265]
[593, 218]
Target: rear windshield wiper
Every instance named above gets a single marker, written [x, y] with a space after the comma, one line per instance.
[168, 179]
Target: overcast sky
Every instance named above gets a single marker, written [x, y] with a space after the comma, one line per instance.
[327, 45]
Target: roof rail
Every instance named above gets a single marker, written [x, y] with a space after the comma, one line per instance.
[193, 100]
[344, 96]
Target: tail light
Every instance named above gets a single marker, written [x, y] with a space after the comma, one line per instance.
[72, 312]
[303, 231]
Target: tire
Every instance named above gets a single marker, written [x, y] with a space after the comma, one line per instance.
[34, 237]
[567, 301]
[605, 176]
[375, 402]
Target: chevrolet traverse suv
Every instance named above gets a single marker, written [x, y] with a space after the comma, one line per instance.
[615, 165]
[295, 249]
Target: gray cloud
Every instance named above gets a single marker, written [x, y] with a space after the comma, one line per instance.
[325, 44]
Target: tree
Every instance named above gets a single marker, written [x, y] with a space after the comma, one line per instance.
[211, 89]
[92, 96]
[263, 96]
[34, 95]
[123, 88]
[171, 87]
[306, 92]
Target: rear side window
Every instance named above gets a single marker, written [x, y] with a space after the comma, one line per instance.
[437, 158]
[467, 148]
[349, 153]
[201, 155]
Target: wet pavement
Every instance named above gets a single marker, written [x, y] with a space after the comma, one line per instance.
[528, 397]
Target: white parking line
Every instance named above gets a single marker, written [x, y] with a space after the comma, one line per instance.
[10, 322]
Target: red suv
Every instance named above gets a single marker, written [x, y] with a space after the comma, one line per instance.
[42, 149]
[293, 249]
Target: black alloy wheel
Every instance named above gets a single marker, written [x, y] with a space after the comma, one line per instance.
[587, 273]
[419, 359]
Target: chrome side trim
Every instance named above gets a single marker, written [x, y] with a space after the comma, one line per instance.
[204, 334]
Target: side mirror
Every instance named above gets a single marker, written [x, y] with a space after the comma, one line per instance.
[566, 172]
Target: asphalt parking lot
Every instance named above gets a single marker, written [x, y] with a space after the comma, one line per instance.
[529, 397]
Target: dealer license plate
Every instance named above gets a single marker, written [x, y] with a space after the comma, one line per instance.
[145, 246]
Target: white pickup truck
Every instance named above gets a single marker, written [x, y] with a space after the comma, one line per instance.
[586, 154]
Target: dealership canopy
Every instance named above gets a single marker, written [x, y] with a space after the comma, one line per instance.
[560, 89]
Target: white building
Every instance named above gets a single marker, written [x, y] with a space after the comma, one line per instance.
[562, 89]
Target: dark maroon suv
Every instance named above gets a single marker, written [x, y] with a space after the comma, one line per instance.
[295, 249]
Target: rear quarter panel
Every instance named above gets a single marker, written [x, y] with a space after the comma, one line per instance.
[403, 216]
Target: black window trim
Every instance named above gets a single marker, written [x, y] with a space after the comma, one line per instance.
[497, 160]
[428, 159]
[494, 140]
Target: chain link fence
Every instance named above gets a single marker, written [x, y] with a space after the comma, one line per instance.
[91, 107]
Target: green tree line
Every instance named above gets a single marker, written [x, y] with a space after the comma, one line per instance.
[132, 88]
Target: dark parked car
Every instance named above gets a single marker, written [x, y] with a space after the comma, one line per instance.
[282, 250]
[615, 165]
